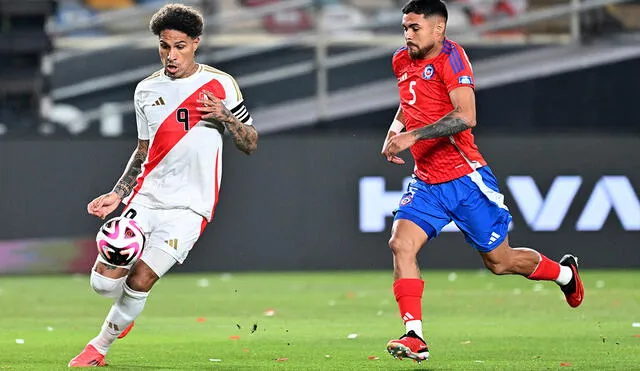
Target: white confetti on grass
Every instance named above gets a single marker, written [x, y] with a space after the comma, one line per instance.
[352, 336]
[19, 341]
[635, 324]
[269, 312]
[332, 303]
[599, 284]
[203, 282]
[215, 360]
[49, 328]
[538, 287]
[379, 313]
[225, 277]
[452, 276]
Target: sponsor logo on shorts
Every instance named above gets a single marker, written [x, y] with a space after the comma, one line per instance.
[494, 237]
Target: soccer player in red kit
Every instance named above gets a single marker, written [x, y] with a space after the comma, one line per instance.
[451, 180]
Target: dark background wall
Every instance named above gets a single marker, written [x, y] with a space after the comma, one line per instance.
[295, 203]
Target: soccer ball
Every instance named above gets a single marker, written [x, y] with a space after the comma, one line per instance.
[120, 241]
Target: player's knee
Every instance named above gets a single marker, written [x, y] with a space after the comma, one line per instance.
[105, 286]
[402, 246]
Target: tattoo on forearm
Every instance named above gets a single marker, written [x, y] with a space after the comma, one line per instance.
[244, 136]
[446, 126]
[128, 179]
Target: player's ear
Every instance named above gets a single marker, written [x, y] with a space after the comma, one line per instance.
[441, 25]
[196, 42]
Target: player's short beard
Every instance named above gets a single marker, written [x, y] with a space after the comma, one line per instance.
[420, 53]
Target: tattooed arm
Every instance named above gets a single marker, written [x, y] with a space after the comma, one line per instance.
[245, 137]
[128, 179]
[460, 119]
[448, 125]
[104, 205]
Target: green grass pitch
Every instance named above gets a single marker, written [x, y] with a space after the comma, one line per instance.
[473, 321]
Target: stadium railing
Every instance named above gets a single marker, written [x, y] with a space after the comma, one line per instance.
[321, 38]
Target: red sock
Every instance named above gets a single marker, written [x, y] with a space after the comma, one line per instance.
[547, 270]
[408, 292]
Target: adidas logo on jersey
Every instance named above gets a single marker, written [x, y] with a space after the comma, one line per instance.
[173, 243]
[158, 102]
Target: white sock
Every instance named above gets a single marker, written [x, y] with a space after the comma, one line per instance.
[415, 325]
[126, 308]
[565, 275]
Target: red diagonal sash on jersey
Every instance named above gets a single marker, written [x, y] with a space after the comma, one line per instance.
[171, 131]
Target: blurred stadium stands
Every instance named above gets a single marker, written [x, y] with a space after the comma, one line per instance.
[298, 61]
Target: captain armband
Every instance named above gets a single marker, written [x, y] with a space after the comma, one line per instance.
[241, 113]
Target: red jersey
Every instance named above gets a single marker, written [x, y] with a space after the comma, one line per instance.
[424, 86]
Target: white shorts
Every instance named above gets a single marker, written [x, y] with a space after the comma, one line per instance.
[170, 234]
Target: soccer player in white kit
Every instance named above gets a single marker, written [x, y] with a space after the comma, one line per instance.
[171, 183]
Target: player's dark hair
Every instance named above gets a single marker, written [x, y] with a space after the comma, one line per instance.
[177, 17]
[426, 8]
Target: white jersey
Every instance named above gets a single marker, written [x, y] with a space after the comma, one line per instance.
[183, 168]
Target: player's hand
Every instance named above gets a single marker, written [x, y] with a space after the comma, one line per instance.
[393, 159]
[397, 144]
[104, 205]
[213, 109]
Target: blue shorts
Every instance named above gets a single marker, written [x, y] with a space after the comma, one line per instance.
[473, 202]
